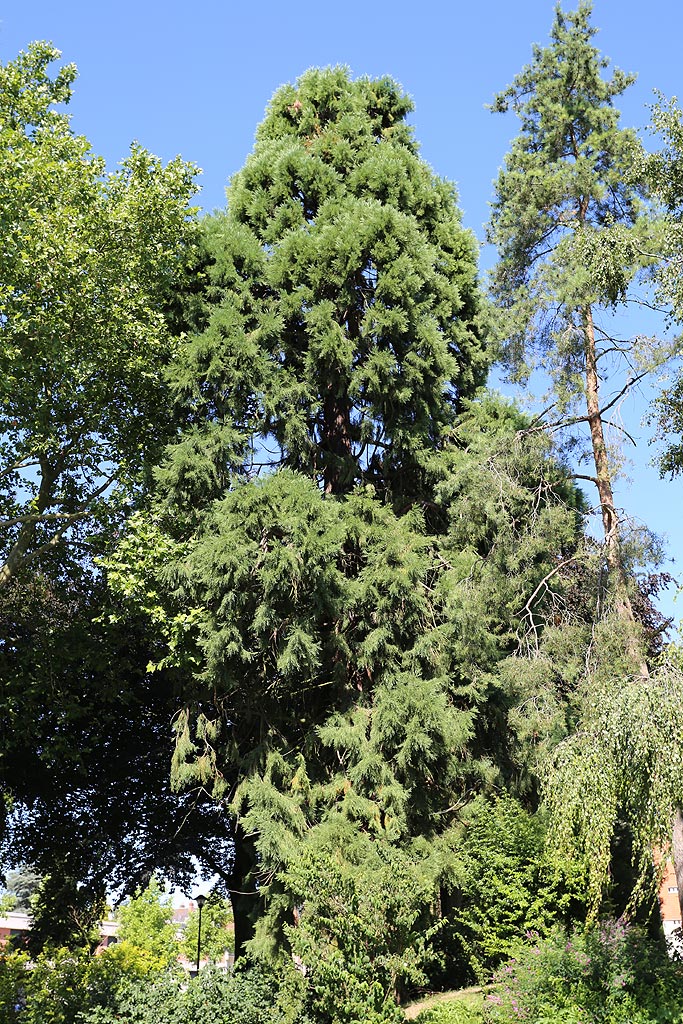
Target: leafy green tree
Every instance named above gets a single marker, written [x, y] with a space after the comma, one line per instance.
[89, 263]
[88, 770]
[356, 660]
[88, 260]
[146, 923]
[68, 986]
[340, 326]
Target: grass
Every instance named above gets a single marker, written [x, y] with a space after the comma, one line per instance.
[468, 998]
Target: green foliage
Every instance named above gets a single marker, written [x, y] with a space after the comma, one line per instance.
[8, 903]
[13, 973]
[55, 986]
[363, 638]
[574, 234]
[65, 914]
[88, 769]
[361, 927]
[23, 883]
[61, 986]
[88, 261]
[624, 763]
[452, 1011]
[505, 882]
[664, 170]
[88, 264]
[567, 215]
[665, 175]
[145, 922]
[609, 973]
[341, 318]
[351, 543]
[259, 994]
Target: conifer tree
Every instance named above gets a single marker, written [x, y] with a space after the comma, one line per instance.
[567, 221]
[572, 228]
[348, 540]
[343, 318]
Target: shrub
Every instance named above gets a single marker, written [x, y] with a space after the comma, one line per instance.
[255, 994]
[506, 883]
[12, 981]
[607, 974]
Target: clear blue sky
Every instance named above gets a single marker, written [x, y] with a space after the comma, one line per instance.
[194, 80]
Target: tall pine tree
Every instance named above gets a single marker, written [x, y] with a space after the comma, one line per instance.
[572, 226]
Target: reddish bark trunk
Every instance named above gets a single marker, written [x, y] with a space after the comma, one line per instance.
[336, 442]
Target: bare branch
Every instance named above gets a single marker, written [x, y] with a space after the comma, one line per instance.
[526, 610]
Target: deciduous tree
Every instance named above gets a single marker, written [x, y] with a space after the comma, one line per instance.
[87, 262]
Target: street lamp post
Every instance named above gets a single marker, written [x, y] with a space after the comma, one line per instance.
[201, 900]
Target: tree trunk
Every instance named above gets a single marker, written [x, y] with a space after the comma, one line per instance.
[336, 441]
[244, 894]
[603, 474]
[16, 555]
[603, 479]
[27, 532]
[677, 851]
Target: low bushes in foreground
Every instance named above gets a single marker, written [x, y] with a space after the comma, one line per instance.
[609, 973]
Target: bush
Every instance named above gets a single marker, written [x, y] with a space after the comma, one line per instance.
[12, 982]
[362, 932]
[608, 974]
[62, 986]
[255, 994]
[506, 884]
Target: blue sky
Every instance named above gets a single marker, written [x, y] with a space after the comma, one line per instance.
[194, 80]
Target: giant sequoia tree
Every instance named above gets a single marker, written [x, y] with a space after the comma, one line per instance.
[350, 543]
[343, 317]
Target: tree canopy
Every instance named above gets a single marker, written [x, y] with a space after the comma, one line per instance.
[342, 321]
[87, 263]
